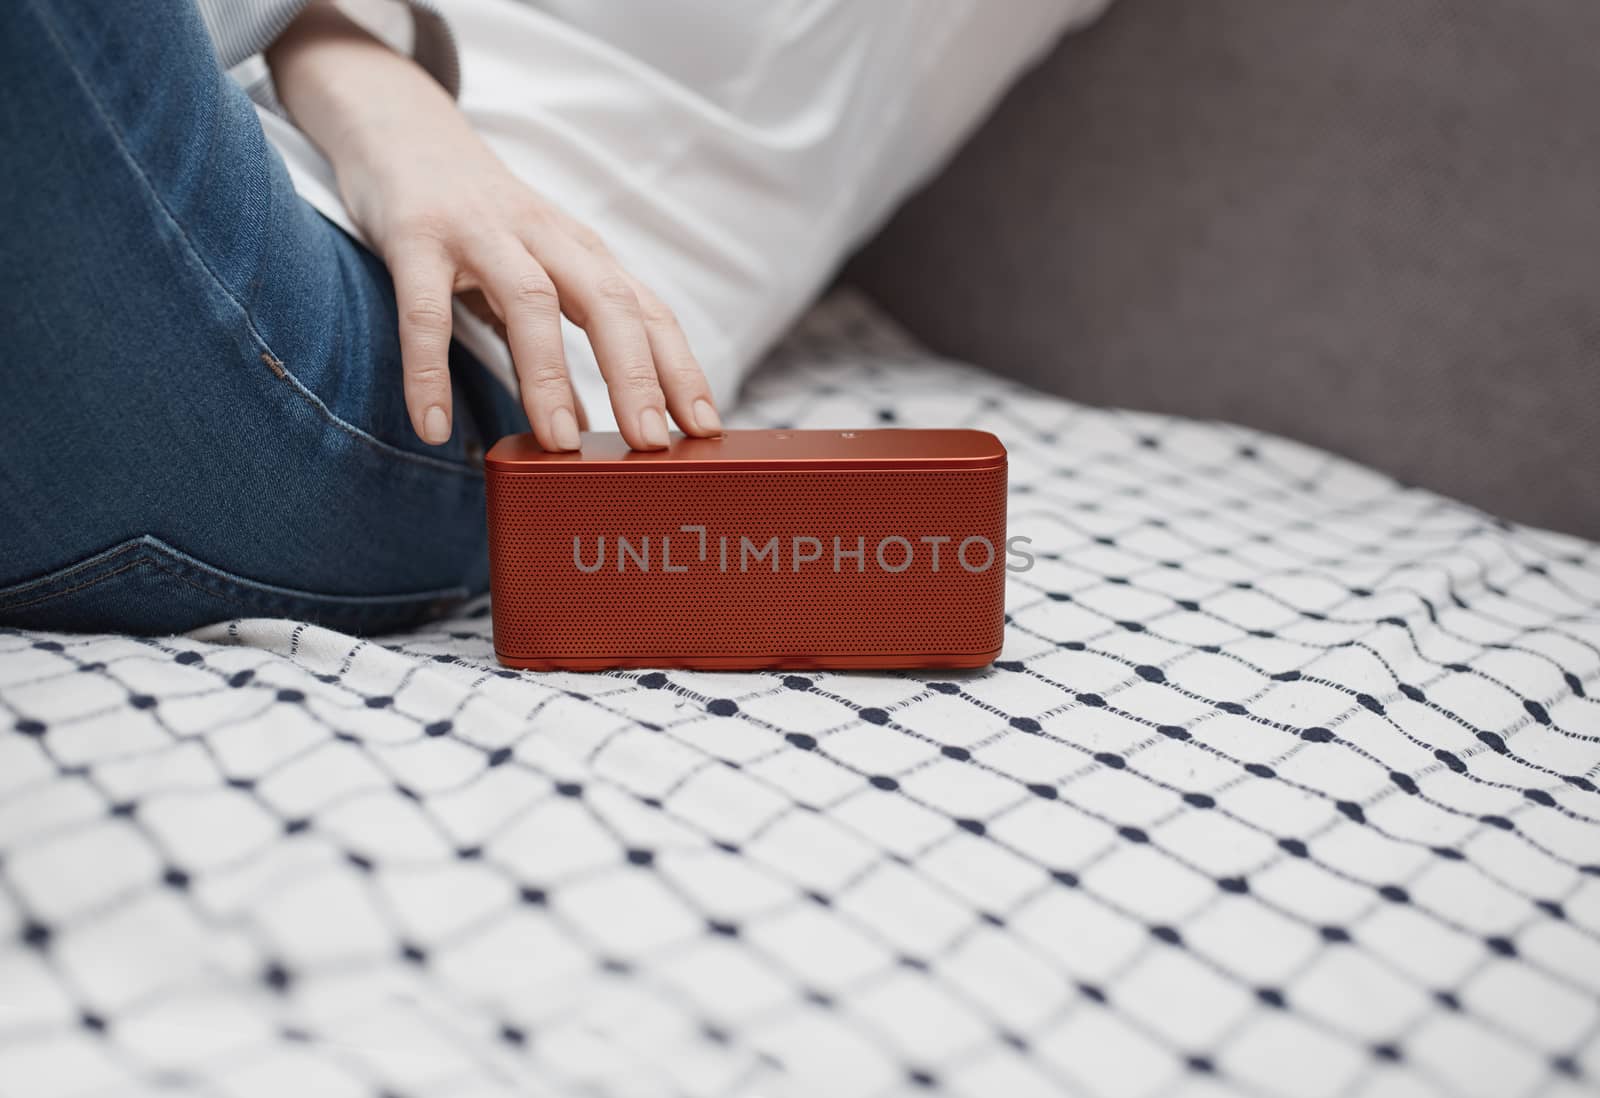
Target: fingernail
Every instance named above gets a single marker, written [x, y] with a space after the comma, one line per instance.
[706, 418]
[564, 429]
[436, 426]
[653, 428]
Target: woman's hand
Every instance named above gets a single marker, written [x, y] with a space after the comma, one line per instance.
[449, 219]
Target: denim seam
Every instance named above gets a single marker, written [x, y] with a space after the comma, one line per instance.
[76, 587]
[328, 605]
[155, 196]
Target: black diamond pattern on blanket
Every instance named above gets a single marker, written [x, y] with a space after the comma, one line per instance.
[1285, 784]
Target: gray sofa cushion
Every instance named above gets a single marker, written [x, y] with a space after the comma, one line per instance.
[1373, 226]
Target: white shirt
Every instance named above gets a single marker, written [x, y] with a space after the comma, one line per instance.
[730, 154]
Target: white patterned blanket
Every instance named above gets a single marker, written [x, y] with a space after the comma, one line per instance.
[1285, 784]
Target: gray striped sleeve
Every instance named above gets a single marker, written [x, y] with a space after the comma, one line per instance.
[240, 29]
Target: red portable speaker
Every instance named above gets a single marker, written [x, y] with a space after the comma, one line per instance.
[759, 549]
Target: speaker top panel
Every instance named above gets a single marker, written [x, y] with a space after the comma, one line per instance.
[886, 448]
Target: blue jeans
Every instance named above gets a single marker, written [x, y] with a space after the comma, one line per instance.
[202, 415]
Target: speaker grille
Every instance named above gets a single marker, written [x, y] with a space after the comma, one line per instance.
[546, 610]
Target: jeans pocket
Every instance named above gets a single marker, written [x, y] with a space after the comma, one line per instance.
[146, 586]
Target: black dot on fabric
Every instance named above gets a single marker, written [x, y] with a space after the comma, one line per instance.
[1150, 674]
[188, 658]
[945, 687]
[1074, 646]
[243, 785]
[1361, 592]
[1551, 908]
[1335, 935]
[1039, 789]
[1132, 626]
[1092, 700]
[1058, 596]
[240, 678]
[726, 846]
[818, 998]
[142, 701]
[1200, 1064]
[1404, 781]
[1167, 934]
[1539, 796]
[722, 707]
[1189, 605]
[469, 853]
[1236, 885]
[959, 754]
[800, 740]
[31, 727]
[1536, 711]
[874, 716]
[1505, 947]
[1261, 771]
[1093, 993]
[884, 782]
[173, 877]
[276, 977]
[1200, 800]
[359, 861]
[640, 857]
[1106, 758]
[821, 899]
[1370, 702]
[1015, 1040]
[499, 756]
[1272, 997]
[722, 929]
[916, 964]
[1294, 847]
[1494, 742]
[36, 935]
[1498, 822]
[615, 966]
[1447, 999]
[125, 809]
[92, 1022]
[1064, 877]
[715, 1034]
[1233, 707]
[1173, 732]
[511, 1035]
[1009, 665]
[1133, 834]
[1388, 1052]
[533, 896]
[1566, 1065]
[1120, 581]
[974, 827]
[413, 953]
[291, 695]
[1025, 724]
[346, 737]
[49, 646]
[797, 682]
[569, 789]
[91, 668]
[1449, 853]
[379, 701]
[1579, 781]
[1316, 735]
[1450, 760]
[1211, 648]
[1351, 810]
[439, 728]
[1287, 676]
[655, 680]
[1394, 894]
[1412, 692]
[919, 1078]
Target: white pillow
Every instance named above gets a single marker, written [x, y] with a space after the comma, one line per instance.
[730, 154]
